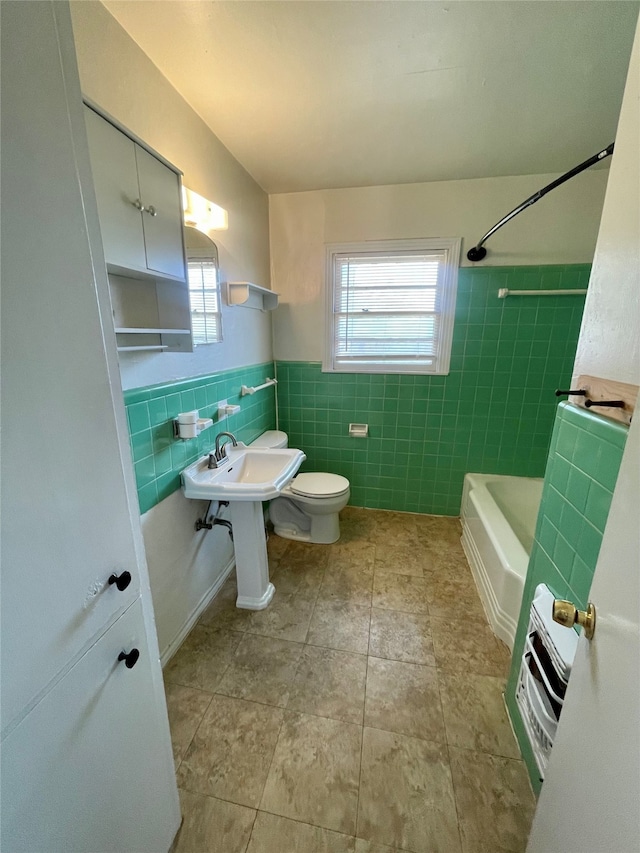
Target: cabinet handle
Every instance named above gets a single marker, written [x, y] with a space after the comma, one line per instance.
[138, 205]
[130, 658]
[151, 210]
[121, 581]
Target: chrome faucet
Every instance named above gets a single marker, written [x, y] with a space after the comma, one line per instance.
[218, 454]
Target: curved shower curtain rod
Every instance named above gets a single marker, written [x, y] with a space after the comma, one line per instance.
[478, 252]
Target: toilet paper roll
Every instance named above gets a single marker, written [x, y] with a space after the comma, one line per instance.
[188, 417]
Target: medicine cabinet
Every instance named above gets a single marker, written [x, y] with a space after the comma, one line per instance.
[140, 210]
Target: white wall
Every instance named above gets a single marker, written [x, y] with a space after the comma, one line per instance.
[186, 568]
[559, 229]
[119, 77]
[609, 343]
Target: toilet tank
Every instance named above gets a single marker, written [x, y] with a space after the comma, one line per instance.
[271, 438]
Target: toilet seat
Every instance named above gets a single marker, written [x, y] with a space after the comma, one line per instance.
[318, 485]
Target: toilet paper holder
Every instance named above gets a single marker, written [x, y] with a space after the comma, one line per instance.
[359, 430]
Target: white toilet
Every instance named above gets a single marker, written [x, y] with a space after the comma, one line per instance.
[309, 507]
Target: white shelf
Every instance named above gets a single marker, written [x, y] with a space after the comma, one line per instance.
[140, 331]
[139, 349]
[141, 274]
[247, 295]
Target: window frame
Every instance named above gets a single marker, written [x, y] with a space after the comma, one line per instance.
[447, 296]
[200, 256]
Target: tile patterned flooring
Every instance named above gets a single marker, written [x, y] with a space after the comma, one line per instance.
[361, 712]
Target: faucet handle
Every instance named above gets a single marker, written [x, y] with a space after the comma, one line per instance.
[213, 463]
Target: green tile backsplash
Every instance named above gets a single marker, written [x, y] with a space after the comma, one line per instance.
[158, 457]
[582, 468]
[493, 413]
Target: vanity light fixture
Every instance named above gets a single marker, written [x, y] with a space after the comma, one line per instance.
[203, 214]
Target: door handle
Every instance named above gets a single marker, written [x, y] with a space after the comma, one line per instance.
[151, 210]
[130, 658]
[566, 613]
[121, 581]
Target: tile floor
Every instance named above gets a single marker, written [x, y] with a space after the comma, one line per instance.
[361, 712]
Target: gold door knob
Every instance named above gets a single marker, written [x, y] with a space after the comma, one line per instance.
[565, 613]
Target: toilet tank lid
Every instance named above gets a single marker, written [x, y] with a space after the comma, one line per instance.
[315, 485]
[271, 438]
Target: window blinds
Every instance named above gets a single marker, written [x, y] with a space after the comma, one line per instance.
[204, 296]
[387, 310]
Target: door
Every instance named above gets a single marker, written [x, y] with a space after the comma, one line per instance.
[84, 764]
[69, 509]
[590, 800]
[115, 176]
[160, 192]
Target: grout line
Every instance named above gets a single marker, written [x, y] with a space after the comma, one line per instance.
[217, 797]
[179, 764]
[306, 823]
[255, 818]
[364, 711]
[364, 707]
[266, 777]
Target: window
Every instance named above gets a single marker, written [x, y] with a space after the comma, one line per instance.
[390, 306]
[204, 296]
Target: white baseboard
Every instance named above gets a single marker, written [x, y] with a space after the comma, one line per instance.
[167, 653]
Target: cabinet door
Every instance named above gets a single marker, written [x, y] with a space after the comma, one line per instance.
[86, 770]
[162, 217]
[115, 176]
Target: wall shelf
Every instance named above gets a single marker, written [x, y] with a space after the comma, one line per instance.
[141, 331]
[143, 348]
[160, 338]
[247, 295]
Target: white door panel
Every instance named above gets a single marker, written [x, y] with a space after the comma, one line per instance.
[115, 176]
[160, 190]
[89, 787]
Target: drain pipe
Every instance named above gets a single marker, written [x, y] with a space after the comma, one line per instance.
[275, 390]
[208, 524]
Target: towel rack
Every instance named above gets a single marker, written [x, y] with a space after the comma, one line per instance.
[246, 389]
[504, 292]
[606, 397]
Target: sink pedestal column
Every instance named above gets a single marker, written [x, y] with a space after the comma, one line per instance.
[250, 545]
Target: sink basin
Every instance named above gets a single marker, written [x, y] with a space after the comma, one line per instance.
[247, 474]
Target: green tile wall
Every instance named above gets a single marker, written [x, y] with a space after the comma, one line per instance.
[493, 412]
[158, 457]
[584, 459]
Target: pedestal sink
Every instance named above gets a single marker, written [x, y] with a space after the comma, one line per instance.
[245, 478]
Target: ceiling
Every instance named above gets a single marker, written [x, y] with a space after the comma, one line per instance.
[310, 95]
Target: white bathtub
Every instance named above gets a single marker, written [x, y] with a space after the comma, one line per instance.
[498, 523]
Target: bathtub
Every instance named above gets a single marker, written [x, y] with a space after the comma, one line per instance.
[498, 517]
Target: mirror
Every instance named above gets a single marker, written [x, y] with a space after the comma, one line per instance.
[198, 240]
[204, 287]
